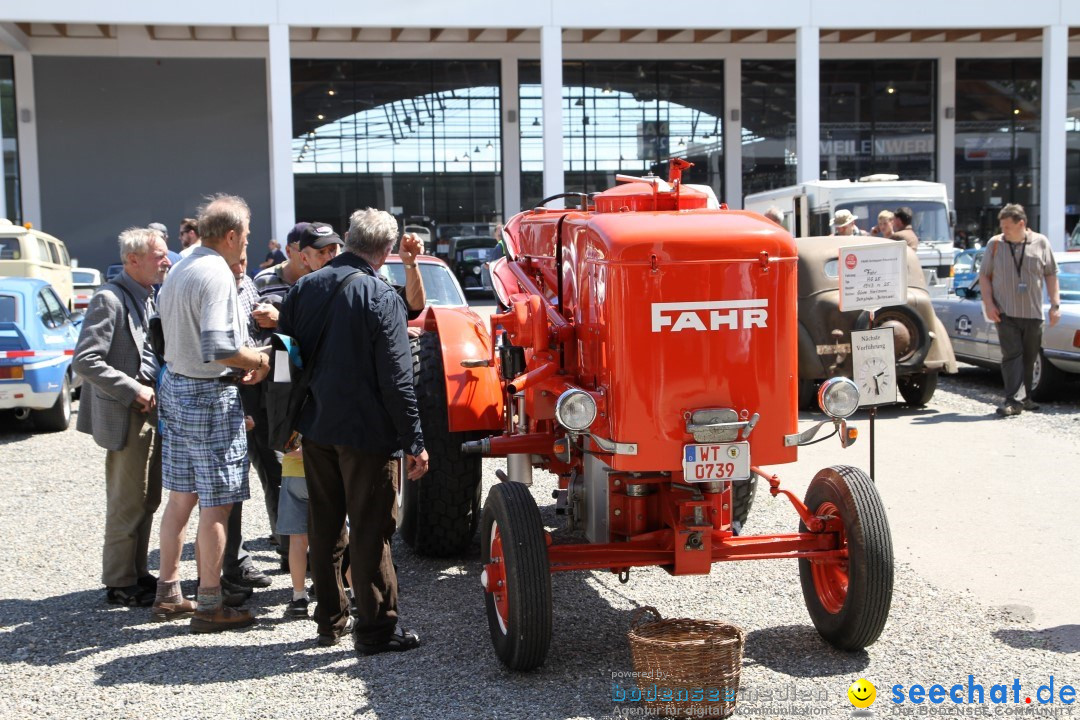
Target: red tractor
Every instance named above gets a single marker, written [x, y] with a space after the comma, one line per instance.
[647, 356]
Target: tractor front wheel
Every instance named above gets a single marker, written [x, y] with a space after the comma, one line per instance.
[516, 577]
[849, 596]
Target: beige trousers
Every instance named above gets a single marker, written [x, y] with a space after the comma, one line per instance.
[132, 494]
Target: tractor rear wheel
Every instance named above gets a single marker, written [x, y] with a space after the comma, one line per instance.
[742, 498]
[848, 597]
[516, 577]
[438, 514]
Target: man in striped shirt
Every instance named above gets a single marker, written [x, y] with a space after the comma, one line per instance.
[1011, 277]
[271, 286]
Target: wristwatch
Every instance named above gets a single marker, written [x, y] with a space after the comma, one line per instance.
[1055, 307]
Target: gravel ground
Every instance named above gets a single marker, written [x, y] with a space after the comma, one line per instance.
[65, 653]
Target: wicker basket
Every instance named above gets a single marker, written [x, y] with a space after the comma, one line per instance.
[686, 668]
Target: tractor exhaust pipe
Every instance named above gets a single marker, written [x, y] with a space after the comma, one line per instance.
[519, 465]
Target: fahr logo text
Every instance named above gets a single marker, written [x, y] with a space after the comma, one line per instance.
[712, 315]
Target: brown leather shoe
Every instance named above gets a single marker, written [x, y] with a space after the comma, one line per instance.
[224, 618]
[164, 611]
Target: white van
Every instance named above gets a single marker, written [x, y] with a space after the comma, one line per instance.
[25, 252]
[808, 208]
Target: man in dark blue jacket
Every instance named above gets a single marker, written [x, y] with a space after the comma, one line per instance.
[360, 412]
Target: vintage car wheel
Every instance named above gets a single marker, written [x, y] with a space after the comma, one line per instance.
[808, 394]
[516, 577]
[911, 337]
[917, 389]
[438, 514]
[1045, 379]
[742, 499]
[849, 598]
[58, 417]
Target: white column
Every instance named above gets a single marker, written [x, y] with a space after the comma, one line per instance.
[551, 101]
[510, 137]
[807, 103]
[26, 119]
[946, 135]
[279, 119]
[1055, 84]
[733, 194]
[3, 170]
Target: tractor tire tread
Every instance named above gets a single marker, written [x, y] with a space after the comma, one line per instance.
[443, 507]
[851, 489]
[528, 577]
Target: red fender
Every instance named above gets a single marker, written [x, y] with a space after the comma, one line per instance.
[475, 395]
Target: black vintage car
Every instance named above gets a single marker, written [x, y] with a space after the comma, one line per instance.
[469, 255]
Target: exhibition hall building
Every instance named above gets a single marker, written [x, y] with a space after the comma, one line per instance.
[117, 113]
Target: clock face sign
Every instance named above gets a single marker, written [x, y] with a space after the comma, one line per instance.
[873, 376]
[873, 364]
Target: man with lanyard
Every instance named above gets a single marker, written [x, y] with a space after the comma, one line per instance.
[1011, 282]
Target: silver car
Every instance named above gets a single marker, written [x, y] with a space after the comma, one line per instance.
[975, 339]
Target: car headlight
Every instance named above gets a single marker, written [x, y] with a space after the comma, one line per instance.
[575, 410]
[838, 397]
[476, 270]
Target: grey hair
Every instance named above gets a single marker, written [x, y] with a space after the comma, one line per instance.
[220, 214]
[372, 233]
[775, 214]
[1014, 212]
[137, 240]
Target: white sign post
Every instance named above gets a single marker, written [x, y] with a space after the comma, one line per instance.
[873, 276]
[873, 366]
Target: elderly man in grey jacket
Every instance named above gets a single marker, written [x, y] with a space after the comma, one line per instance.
[115, 409]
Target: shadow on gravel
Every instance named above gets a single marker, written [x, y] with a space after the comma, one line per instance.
[66, 628]
[250, 658]
[799, 651]
[1062, 639]
[952, 417]
[455, 673]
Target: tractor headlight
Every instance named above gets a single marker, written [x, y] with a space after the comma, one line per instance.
[838, 397]
[575, 410]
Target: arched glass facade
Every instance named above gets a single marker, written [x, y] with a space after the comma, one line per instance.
[998, 116]
[626, 117]
[9, 151]
[878, 116]
[768, 125]
[415, 137]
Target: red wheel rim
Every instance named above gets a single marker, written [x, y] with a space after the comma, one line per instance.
[496, 577]
[831, 574]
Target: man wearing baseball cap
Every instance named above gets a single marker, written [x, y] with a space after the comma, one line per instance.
[273, 285]
[319, 244]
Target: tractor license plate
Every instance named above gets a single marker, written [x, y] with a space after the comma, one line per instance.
[716, 462]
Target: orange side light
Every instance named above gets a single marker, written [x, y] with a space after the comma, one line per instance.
[852, 433]
[1076, 339]
[12, 372]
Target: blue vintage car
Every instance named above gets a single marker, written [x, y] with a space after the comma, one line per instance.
[37, 338]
